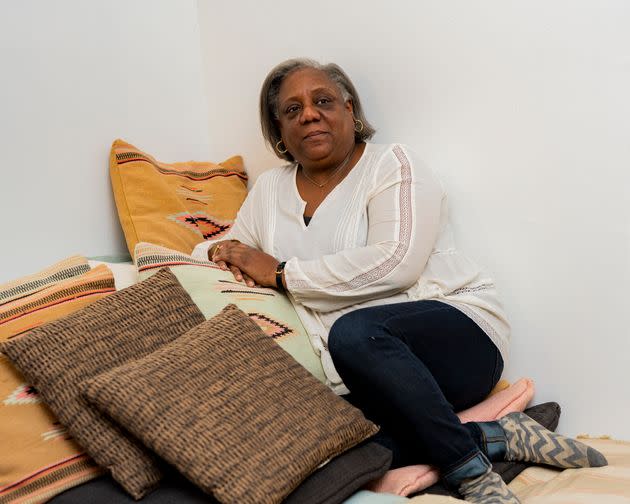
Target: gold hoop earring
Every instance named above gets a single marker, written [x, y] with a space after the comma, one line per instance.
[278, 147]
[358, 125]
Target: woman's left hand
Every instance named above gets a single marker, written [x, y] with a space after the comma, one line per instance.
[257, 265]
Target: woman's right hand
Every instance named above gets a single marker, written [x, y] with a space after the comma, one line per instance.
[238, 274]
[249, 262]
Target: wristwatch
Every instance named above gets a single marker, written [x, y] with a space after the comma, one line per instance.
[279, 270]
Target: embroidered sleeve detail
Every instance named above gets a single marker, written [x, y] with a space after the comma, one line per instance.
[475, 288]
[404, 232]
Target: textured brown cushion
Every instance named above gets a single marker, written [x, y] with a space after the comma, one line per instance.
[125, 325]
[231, 410]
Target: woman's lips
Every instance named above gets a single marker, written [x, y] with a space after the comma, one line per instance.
[314, 135]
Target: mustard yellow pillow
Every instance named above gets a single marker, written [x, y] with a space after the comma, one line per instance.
[174, 205]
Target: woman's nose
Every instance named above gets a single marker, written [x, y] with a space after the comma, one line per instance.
[309, 113]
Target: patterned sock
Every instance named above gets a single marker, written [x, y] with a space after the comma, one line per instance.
[528, 441]
[488, 488]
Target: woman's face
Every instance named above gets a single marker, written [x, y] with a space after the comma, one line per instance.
[317, 126]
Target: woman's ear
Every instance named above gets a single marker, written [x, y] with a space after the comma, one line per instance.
[349, 107]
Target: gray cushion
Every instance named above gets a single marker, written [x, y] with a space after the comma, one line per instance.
[173, 489]
[331, 484]
[343, 475]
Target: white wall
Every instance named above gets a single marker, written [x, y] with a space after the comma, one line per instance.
[523, 108]
[75, 76]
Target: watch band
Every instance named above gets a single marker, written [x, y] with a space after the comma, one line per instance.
[279, 270]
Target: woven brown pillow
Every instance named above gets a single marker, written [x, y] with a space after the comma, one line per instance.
[235, 413]
[128, 324]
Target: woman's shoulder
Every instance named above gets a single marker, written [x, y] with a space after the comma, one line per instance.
[393, 155]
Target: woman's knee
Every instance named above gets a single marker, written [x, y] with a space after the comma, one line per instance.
[350, 334]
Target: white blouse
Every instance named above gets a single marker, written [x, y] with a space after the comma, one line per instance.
[381, 236]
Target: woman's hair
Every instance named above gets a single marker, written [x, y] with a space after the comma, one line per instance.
[271, 89]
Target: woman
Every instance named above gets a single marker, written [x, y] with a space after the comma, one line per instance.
[358, 236]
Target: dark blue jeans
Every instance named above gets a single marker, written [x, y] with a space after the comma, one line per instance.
[410, 367]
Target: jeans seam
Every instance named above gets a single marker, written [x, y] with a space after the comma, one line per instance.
[498, 365]
[447, 475]
[462, 461]
[487, 440]
[400, 336]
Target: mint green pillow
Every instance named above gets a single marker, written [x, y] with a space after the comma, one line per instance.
[212, 289]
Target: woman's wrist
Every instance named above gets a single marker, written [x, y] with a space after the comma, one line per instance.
[280, 285]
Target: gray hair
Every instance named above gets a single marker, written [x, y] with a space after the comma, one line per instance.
[271, 89]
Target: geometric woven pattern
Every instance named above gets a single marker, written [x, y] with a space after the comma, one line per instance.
[269, 326]
[37, 457]
[51, 480]
[62, 270]
[207, 227]
[123, 326]
[212, 289]
[240, 289]
[64, 297]
[23, 394]
[488, 488]
[175, 205]
[529, 441]
[57, 431]
[150, 258]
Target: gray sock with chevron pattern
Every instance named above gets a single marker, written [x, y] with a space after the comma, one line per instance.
[488, 488]
[528, 441]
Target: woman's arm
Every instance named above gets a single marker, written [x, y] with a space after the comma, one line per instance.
[240, 249]
[403, 224]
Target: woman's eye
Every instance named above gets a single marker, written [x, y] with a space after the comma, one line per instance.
[323, 101]
[292, 109]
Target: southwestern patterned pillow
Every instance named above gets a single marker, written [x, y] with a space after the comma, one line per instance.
[175, 205]
[212, 289]
[124, 326]
[219, 404]
[38, 459]
[25, 286]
